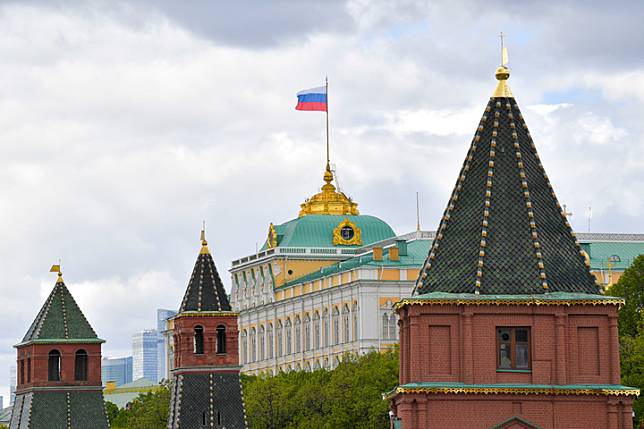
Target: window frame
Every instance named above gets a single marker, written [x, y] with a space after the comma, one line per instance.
[513, 348]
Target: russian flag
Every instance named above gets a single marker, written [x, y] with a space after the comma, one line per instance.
[312, 99]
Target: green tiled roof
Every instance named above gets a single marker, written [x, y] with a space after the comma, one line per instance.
[603, 253]
[59, 410]
[205, 291]
[317, 230]
[503, 231]
[416, 252]
[60, 320]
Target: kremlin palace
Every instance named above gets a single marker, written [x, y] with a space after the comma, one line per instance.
[324, 284]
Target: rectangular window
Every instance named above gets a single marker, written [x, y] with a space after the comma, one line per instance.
[513, 348]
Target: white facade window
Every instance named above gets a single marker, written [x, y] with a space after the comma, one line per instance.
[244, 347]
[325, 325]
[280, 339]
[316, 330]
[253, 345]
[354, 315]
[307, 333]
[298, 334]
[262, 343]
[289, 337]
[345, 324]
[336, 326]
[269, 342]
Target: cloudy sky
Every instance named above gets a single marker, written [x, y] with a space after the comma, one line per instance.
[124, 124]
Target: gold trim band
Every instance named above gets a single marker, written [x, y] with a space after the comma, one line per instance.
[554, 302]
[515, 391]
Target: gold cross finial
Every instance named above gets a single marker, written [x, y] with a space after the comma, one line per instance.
[56, 269]
[204, 243]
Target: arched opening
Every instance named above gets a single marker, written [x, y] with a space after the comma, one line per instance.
[221, 339]
[21, 378]
[80, 366]
[198, 342]
[54, 366]
[28, 370]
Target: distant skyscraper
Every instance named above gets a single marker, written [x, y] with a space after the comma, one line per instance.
[118, 370]
[145, 355]
[1, 403]
[13, 382]
[162, 350]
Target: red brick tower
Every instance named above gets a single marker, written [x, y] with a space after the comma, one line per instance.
[206, 389]
[59, 369]
[507, 328]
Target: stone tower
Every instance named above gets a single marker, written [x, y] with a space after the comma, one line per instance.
[206, 389]
[507, 328]
[59, 369]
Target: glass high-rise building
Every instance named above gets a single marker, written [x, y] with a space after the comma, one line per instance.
[145, 355]
[118, 370]
[13, 380]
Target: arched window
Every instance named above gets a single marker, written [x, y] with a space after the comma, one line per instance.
[221, 339]
[28, 369]
[316, 330]
[80, 366]
[325, 327]
[345, 324]
[253, 345]
[336, 326]
[21, 377]
[198, 340]
[289, 336]
[244, 347]
[262, 342]
[307, 333]
[54, 366]
[385, 326]
[298, 334]
[269, 341]
[393, 325]
[354, 315]
[280, 339]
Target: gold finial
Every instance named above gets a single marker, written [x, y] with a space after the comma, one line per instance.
[502, 74]
[204, 243]
[329, 201]
[56, 269]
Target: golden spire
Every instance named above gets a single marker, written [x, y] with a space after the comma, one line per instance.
[329, 201]
[204, 243]
[502, 74]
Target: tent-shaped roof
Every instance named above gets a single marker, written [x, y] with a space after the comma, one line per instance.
[503, 231]
[60, 320]
[205, 291]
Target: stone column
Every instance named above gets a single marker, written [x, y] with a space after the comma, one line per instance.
[468, 366]
[561, 362]
[627, 414]
[613, 348]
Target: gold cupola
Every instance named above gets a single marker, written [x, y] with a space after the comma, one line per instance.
[329, 201]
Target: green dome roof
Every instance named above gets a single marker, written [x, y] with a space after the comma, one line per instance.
[317, 230]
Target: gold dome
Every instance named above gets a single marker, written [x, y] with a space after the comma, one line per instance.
[329, 201]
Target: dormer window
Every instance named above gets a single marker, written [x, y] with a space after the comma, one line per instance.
[198, 341]
[347, 232]
[513, 348]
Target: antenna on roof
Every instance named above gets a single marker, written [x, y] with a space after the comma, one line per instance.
[504, 50]
[417, 213]
[590, 215]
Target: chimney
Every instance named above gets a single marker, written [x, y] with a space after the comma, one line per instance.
[402, 247]
[377, 253]
[393, 253]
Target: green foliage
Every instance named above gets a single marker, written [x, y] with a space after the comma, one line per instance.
[148, 411]
[4, 427]
[349, 396]
[631, 329]
[631, 287]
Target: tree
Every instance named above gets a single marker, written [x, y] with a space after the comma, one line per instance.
[348, 396]
[148, 411]
[630, 286]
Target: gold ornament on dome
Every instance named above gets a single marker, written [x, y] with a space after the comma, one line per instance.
[329, 201]
[347, 233]
[271, 241]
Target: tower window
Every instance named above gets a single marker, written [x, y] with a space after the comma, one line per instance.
[221, 339]
[53, 373]
[28, 370]
[21, 379]
[513, 348]
[198, 343]
[80, 368]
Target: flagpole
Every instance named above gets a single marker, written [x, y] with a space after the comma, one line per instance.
[327, 121]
